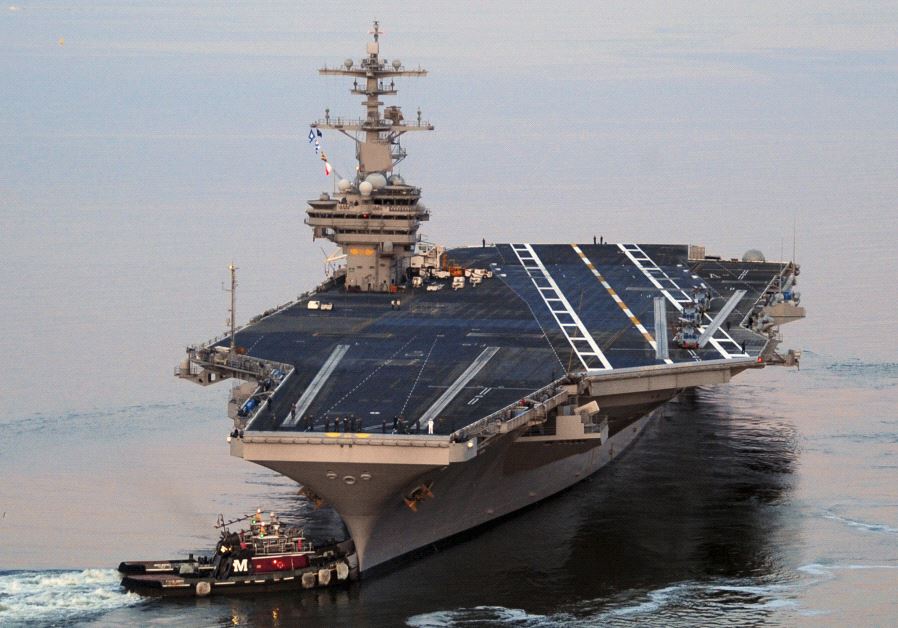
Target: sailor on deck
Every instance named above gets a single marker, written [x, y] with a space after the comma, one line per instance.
[256, 524]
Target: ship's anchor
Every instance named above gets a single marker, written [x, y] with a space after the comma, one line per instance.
[418, 495]
[314, 497]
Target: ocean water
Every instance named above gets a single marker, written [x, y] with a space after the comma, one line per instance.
[146, 145]
[771, 500]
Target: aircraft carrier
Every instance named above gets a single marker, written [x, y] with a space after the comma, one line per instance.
[422, 391]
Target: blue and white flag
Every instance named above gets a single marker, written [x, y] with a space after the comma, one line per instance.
[312, 135]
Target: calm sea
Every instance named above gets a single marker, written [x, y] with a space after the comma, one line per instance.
[146, 145]
[768, 501]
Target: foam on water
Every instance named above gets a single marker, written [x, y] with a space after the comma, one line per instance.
[862, 525]
[684, 600]
[60, 596]
[818, 569]
[482, 616]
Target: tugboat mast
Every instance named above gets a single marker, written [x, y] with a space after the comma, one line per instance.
[376, 216]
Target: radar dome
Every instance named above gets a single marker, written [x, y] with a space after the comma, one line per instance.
[397, 63]
[344, 185]
[377, 180]
[396, 180]
[348, 63]
[365, 188]
[324, 196]
[753, 255]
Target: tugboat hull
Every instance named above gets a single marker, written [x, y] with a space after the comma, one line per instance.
[335, 566]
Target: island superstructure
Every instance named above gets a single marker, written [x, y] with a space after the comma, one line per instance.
[375, 218]
[422, 391]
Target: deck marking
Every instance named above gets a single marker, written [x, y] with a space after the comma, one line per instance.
[623, 306]
[386, 362]
[647, 266]
[253, 346]
[318, 382]
[449, 394]
[421, 370]
[535, 269]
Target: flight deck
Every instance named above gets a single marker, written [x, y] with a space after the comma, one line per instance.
[454, 356]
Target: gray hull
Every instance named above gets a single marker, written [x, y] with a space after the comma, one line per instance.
[514, 472]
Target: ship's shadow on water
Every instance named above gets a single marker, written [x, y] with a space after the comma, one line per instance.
[694, 517]
[702, 497]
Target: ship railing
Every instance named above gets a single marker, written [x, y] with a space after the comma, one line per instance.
[269, 396]
[595, 427]
[345, 211]
[281, 544]
[772, 287]
[381, 124]
[236, 364]
[772, 338]
[325, 285]
[515, 413]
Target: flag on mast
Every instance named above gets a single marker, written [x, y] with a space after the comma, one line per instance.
[312, 135]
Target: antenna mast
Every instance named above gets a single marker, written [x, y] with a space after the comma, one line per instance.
[794, 229]
[379, 151]
[232, 311]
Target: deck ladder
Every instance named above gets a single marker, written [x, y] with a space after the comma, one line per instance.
[725, 345]
[581, 341]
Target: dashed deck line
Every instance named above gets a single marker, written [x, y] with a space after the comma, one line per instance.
[386, 362]
[418, 378]
[620, 302]
[253, 346]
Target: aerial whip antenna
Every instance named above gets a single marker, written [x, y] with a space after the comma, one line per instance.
[232, 311]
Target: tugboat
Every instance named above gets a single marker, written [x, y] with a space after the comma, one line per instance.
[268, 556]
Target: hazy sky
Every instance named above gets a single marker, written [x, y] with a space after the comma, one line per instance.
[144, 146]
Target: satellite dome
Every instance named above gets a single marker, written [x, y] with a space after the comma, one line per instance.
[344, 185]
[396, 180]
[324, 196]
[397, 63]
[377, 180]
[365, 188]
[753, 255]
[348, 63]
